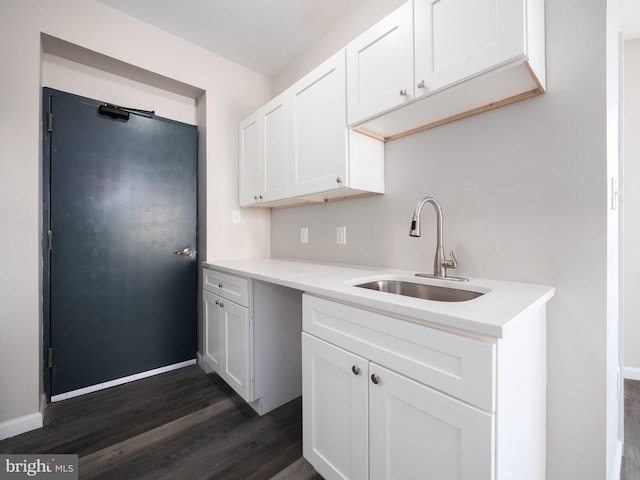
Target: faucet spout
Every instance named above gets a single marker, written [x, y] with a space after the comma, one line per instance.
[440, 263]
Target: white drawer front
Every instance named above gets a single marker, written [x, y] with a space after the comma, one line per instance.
[457, 365]
[227, 286]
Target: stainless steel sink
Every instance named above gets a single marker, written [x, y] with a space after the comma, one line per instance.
[420, 290]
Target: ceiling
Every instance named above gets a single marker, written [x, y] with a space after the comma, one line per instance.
[267, 35]
[263, 35]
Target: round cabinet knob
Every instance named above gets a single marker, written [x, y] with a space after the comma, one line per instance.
[421, 84]
[338, 180]
[217, 302]
[220, 285]
[255, 197]
[403, 92]
[221, 304]
[260, 197]
[355, 370]
[375, 379]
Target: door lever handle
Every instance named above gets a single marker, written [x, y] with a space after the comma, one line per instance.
[185, 252]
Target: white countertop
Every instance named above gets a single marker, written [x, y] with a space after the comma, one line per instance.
[492, 314]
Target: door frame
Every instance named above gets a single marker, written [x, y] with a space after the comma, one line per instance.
[47, 94]
[44, 240]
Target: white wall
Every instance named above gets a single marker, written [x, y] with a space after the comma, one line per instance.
[73, 77]
[631, 207]
[524, 194]
[230, 93]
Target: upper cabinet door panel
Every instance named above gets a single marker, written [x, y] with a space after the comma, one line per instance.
[249, 133]
[274, 181]
[458, 39]
[380, 66]
[318, 133]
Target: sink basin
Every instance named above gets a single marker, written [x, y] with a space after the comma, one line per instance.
[421, 290]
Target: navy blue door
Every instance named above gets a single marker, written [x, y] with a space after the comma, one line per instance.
[122, 200]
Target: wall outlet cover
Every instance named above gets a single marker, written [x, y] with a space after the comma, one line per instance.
[304, 235]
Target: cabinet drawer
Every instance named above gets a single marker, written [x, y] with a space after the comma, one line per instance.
[457, 365]
[227, 286]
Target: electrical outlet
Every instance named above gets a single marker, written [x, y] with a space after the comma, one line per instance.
[304, 234]
[341, 235]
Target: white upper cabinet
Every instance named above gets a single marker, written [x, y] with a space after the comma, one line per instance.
[249, 159]
[326, 159]
[318, 140]
[335, 410]
[264, 152]
[298, 148]
[468, 56]
[274, 178]
[458, 39]
[380, 66]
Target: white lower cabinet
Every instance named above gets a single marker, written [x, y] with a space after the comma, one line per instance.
[363, 421]
[251, 338]
[227, 342]
[236, 347]
[212, 331]
[387, 398]
[335, 410]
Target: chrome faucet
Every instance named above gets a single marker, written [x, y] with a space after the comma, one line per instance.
[440, 263]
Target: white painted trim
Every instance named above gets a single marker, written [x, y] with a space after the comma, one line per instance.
[617, 466]
[120, 381]
[632, 373]
[19, 425]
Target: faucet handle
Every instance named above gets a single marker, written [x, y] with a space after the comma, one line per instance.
[450, 263]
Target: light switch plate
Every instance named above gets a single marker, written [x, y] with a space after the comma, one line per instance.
[304, 235]
[341, 235]
[235, 217]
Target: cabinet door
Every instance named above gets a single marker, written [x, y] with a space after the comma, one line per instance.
[249, 160]
[212, 330]
[334, 410]
[274, 181]
[417, 432]
[380, 66]
[236, 348]
[318, 129]
[458, 39]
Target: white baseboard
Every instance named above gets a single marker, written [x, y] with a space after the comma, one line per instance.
[19, 425]
[120, 381]
[632, 373]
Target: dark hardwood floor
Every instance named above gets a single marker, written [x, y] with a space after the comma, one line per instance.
[631, 459]
[182, 424]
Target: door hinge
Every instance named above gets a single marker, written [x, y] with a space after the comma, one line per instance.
[50, 358]
[50, 122]
[50, 239]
